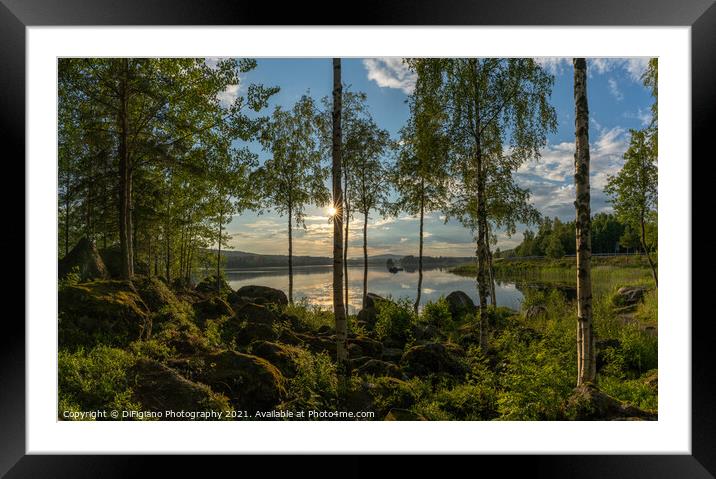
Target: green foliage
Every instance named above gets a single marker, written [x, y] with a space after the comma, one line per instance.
[73, 278]
[632, 391]
[310, 315]
[315, 384]
[437, 313]
[95, 380]
[395, 319]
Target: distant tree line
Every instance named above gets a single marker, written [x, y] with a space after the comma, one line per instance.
[555, 238]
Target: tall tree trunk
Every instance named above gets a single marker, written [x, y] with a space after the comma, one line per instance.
[218, 255]
[586, 359]
[125, 175]
[481, 212]
[491, 271]
[338, 303]
[365, 259]
[168, 258]
[67, 221]
[416, 306]
[290, 255]
[347, 220]
[646, 252]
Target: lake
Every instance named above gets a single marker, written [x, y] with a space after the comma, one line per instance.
[316, 283]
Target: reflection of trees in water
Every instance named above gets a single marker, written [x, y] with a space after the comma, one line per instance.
[240, 275]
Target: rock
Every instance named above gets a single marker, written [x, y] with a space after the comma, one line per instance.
[324, 330]
[159, 388]
[394, 342]
[108, 312]
[425, 331]
[368, 317]
[373, 300]
[280, 355]
[209, 285]
[354, 351]
[432, 358]
[264, 293]
[213, 307]
[154, 292]
[369, 347]
[182, 284]
[629, 295]
[319, 344]
[256, 313]
[250, 332]
[376, 367]
[588, 403]
[85, 260]
[359, 361]
[289, 337]
[392, 354]
[535, 311]
[397, 414]
[251, 383]
[460, 304]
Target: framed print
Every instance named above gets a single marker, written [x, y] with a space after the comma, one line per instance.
[423, 230]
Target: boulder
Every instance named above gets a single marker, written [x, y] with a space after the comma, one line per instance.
[425, 331]
[324, 330]
[367, 317]
[373, 300]
[289, 337]
[109, 312]
[264, 294]
[251, 383]
[535, 311]
[376, 367]
[589, 403]
[283, 356]
[629, 295]
[244, 333]
[159, 388]
[433, 358]
[154, 292]
[368, 346]
[397, 414]
[460, 304]
[211, 308]
[319, 344]
[85, 260]
[209, 285]
[112, 258]
[256, 313]
[392, 354]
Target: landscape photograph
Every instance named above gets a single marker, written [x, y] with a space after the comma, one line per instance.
[357, 239]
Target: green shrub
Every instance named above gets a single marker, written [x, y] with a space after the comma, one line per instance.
[633, 391]
[394, 319]
[640, 350]
[95, 380]
[315, 384]
[310, 316]
[437, 313]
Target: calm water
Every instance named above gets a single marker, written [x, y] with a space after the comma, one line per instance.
[316, 283]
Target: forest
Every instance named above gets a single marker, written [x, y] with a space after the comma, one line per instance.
[155, 162]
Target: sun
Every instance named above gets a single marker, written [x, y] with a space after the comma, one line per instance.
[332, 211]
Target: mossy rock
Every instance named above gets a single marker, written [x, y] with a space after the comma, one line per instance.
[283, 356]
[243, 332]
[376, 367]
[589, 403]
[460, 304]
[159, 388]
[251, 383]
[155, 292]
[368, 346]
[85, 260]
[112, 258]
[397, 414]
[319, 344]
[433, 358]
[108, 312]
[213, 307]
[256, 313]
[209, 285]
[264, 294]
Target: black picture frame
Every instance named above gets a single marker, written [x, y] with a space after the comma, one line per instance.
[16, 15]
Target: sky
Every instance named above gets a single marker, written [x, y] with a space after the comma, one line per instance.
[617, 99]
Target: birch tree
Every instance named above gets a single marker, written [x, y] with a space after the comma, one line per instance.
[586, 359]
[339, 310]
[294, 177]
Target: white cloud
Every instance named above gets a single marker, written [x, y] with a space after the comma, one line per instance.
[614, 89]
[635, 67]
[228, 96]
[390, 73]
[554, 65]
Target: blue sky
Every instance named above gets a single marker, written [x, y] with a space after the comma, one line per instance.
[617, 101]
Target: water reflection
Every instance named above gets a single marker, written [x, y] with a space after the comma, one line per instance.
[315, 284]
